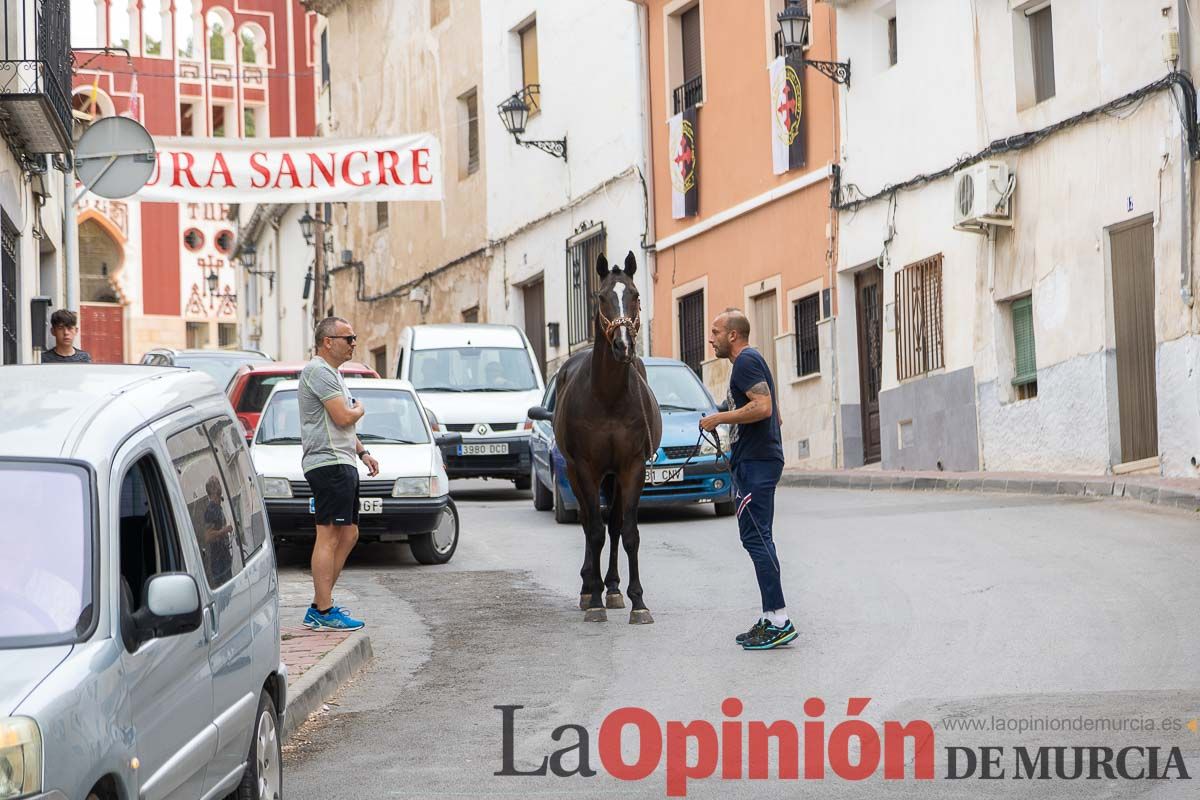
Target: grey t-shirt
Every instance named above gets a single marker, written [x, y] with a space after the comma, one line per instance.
[323, 442]
[78, 357]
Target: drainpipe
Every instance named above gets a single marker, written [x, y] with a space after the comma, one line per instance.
[70, 240]
[1185, 166]
[645, 169]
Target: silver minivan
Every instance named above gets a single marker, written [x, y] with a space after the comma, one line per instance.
[139, 633]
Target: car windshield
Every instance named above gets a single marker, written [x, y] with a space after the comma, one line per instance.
[473, 369]
[45, 553]
[677, 388]
[259, 386]
[220, 368]
[392, 418]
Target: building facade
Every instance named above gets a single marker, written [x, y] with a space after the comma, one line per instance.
[1047, 324]
[35, 128]
[163, 274]
[577, 65]
[743, 151]
[399, 66]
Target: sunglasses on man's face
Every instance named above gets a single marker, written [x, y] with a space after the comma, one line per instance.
[351, 339]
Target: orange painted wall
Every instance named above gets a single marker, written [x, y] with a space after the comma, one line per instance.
[786, 237]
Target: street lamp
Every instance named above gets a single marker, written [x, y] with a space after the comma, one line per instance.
[214, 282]
[514, 113]
[794, 23]
[247, 255]
[306, 227]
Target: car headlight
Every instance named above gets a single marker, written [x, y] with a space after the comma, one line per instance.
[707, 448]
[20, 757]
[411, 487]
[277, 487]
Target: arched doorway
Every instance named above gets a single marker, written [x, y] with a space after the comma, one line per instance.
[101, 309]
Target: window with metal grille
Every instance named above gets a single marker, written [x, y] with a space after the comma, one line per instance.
[1024, 349]
[381, 215]
[919, 318]
[227, 334]
[582, 282]
[1041, 44]
[808, 350]
[8, 293]
[691, 330]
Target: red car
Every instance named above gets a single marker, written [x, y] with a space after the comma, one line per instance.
[252, 384]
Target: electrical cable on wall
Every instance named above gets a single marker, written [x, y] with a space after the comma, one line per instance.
[1022, 141]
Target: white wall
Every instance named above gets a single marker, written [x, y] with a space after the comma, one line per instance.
[535, 202]
[280, 323]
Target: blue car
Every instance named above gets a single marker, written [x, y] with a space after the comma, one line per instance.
[682, 399]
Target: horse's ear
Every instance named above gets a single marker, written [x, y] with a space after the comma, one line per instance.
[630, 265]
[602, 266]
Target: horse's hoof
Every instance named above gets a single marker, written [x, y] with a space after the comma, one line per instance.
[614, 600]
[595, 615]
[640, 616]
[585, 600]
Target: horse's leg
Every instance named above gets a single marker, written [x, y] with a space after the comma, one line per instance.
[586, 569]
[612, 581]
[631, 491]
[587, 489]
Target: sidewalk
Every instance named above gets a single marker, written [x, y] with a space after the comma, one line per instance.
[318, 663]
[1172, 492]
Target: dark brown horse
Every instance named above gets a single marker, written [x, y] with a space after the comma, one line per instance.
[607, 425]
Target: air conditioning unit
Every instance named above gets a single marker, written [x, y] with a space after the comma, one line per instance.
[983, 196]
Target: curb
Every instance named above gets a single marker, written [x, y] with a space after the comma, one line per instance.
[1077, 487]
[321, 681]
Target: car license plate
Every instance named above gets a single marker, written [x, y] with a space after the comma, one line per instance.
[664, 475]
[500, 449]
[366, 505]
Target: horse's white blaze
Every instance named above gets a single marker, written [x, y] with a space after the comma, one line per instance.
[623, 332]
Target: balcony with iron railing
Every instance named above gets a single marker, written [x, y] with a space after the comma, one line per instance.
[35, 76]
[689, 94]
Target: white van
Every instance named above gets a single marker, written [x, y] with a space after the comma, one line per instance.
[477, 380]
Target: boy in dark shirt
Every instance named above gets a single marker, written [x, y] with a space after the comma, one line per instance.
[756, 459]
[65, 327]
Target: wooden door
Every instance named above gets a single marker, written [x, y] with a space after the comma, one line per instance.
[766, 327]
[868, 288]
[1133, 319]
[535, 321]
[102, 331]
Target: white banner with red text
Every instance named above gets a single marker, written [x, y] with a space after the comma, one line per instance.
[310, 170]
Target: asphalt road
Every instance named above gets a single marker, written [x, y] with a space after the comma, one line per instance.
[1010, 612]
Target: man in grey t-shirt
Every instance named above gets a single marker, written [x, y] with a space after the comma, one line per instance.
[328, 415]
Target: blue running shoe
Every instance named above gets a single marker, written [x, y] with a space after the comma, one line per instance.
[336, 620]
[770, 637]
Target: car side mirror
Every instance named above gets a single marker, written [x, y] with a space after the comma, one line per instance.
[172, 607]
[541, 414]
[444, 439]
[723, 406]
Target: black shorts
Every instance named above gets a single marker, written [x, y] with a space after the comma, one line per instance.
[335, 490]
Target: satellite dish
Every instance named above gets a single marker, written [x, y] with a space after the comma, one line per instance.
[114, 158]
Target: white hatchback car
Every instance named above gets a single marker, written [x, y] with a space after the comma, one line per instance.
[409, 500]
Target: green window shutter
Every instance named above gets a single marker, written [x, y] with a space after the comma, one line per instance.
[1026, 353]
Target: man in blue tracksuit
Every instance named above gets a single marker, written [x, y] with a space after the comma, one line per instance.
[757, 461]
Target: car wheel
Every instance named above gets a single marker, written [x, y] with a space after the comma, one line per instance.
[725, 509]
[543, 499]
[562, 514]
[438, 547]
[524, 483]
[263, 779]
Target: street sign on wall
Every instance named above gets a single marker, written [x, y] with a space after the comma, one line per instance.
[312, 170]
